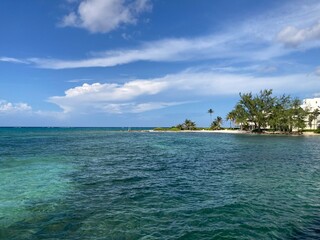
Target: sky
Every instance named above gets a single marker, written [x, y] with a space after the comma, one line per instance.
[127, 63]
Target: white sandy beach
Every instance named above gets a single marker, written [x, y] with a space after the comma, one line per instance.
[236, 132]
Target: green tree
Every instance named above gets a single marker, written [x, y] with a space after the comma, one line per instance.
[314, 115]
[216, 124]
[258, 108]
[264, 103]
[311, 118]
[246, 107]
[219, 121]
[278, 118]
[240, 116]
[298, 115]
[264, 110]
[189, 125]
[231, 116]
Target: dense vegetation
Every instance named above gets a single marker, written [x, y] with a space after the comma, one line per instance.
[187, 125]
[261, 112]
[267, 111]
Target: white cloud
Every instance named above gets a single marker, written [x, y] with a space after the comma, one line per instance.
[116, 92]
[80, 80]
[292, 36]
[148, 94]
[24, 111]
[210, 83]
[246, 69]
[317, 71]
[143, 107]
[13, 60]
[8, 107]
[105, 15]
[257, 39]
[133, 107]
[106, 96]
[169, 50]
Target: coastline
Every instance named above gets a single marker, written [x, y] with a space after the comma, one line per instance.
[227, 131]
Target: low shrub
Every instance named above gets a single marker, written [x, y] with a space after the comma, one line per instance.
[167, 129]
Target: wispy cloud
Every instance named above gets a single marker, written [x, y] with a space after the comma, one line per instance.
[266, 37]
[102, 16]
[13, 60]
[175, 50]
[163, 50]
[133, 107]
[258, 40]
[80, 80]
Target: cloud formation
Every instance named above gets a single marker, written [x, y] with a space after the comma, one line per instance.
[293, 37]
[8, 107]
[163, 50]
[102, 16]
[174, 50]
[262, 38]
[109, 97]
[148, 94]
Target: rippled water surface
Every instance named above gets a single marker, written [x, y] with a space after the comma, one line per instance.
[100, 184]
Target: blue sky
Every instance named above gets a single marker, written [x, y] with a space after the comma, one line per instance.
[150, 62]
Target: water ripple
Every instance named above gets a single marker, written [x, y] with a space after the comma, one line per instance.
[95, 184]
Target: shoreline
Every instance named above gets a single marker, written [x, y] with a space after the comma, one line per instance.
[238, 132]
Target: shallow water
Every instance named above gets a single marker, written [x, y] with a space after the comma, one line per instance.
[100, 184]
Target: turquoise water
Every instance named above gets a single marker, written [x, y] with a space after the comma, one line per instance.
[100, 184]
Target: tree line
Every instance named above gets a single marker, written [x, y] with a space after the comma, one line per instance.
[262, 111]
[190, 125]
[267, 111]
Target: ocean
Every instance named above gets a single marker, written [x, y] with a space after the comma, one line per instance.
[109, 183]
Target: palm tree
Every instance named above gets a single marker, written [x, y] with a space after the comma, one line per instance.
[210, 111]
[231, 117]
[189, 125]
[219, 121]
[216, 124]
[240, 116]
[180, 126]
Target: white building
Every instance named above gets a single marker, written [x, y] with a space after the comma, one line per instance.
[312, 104]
